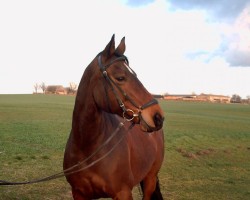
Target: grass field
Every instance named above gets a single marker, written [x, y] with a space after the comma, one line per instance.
[207, 154]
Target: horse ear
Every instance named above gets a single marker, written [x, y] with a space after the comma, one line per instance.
[121, 47]
[110, 48]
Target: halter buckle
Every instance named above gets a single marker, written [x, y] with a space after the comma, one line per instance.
[125, 115]
[105, 73]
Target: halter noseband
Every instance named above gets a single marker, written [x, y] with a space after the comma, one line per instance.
[126, 111]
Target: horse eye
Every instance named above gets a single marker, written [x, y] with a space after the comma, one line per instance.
[120, 78]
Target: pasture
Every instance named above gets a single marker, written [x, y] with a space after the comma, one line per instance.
[207, 148]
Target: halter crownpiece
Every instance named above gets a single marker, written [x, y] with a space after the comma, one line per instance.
[126, 112]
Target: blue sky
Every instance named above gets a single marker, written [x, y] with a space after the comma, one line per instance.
[174, 46]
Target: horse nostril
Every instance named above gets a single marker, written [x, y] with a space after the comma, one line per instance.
[158, 120]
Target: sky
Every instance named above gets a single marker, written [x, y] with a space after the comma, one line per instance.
[174, 46]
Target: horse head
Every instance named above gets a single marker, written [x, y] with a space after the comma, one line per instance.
[118, 90]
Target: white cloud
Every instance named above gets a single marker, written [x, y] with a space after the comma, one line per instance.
[237, 40]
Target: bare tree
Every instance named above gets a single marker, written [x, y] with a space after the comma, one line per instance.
[72, 88]
[43, 87]
[36, 87]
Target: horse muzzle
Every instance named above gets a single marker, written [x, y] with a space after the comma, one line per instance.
[154, 124]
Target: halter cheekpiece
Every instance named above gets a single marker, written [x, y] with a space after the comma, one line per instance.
[128, 114]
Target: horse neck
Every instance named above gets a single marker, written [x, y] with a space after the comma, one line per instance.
[87, 118]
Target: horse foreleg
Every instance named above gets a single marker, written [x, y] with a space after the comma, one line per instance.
[151, 189]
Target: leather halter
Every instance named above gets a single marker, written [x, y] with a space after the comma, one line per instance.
[126, 112]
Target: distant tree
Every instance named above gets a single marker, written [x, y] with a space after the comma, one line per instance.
[51, 89]
[36, 87]
[72, 88]
[236, 99]
[43, 87]
[248, 99]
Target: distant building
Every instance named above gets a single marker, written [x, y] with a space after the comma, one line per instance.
[56, 89]
[214, 98]
[158, 96]
[180, 97]
[201, 97]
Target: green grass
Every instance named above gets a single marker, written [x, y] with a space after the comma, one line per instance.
[207, 151]
[207, 148]
[33, 133]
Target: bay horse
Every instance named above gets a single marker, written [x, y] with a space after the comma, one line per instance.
[110, 93]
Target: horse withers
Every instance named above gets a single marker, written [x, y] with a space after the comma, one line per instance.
[105, 155]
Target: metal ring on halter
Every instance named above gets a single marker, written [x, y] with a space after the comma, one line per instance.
[129, 111]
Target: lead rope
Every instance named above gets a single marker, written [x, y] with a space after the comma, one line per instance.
[71, 169]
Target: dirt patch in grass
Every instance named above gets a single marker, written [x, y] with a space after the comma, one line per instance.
[205, 152]
[195, 155]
